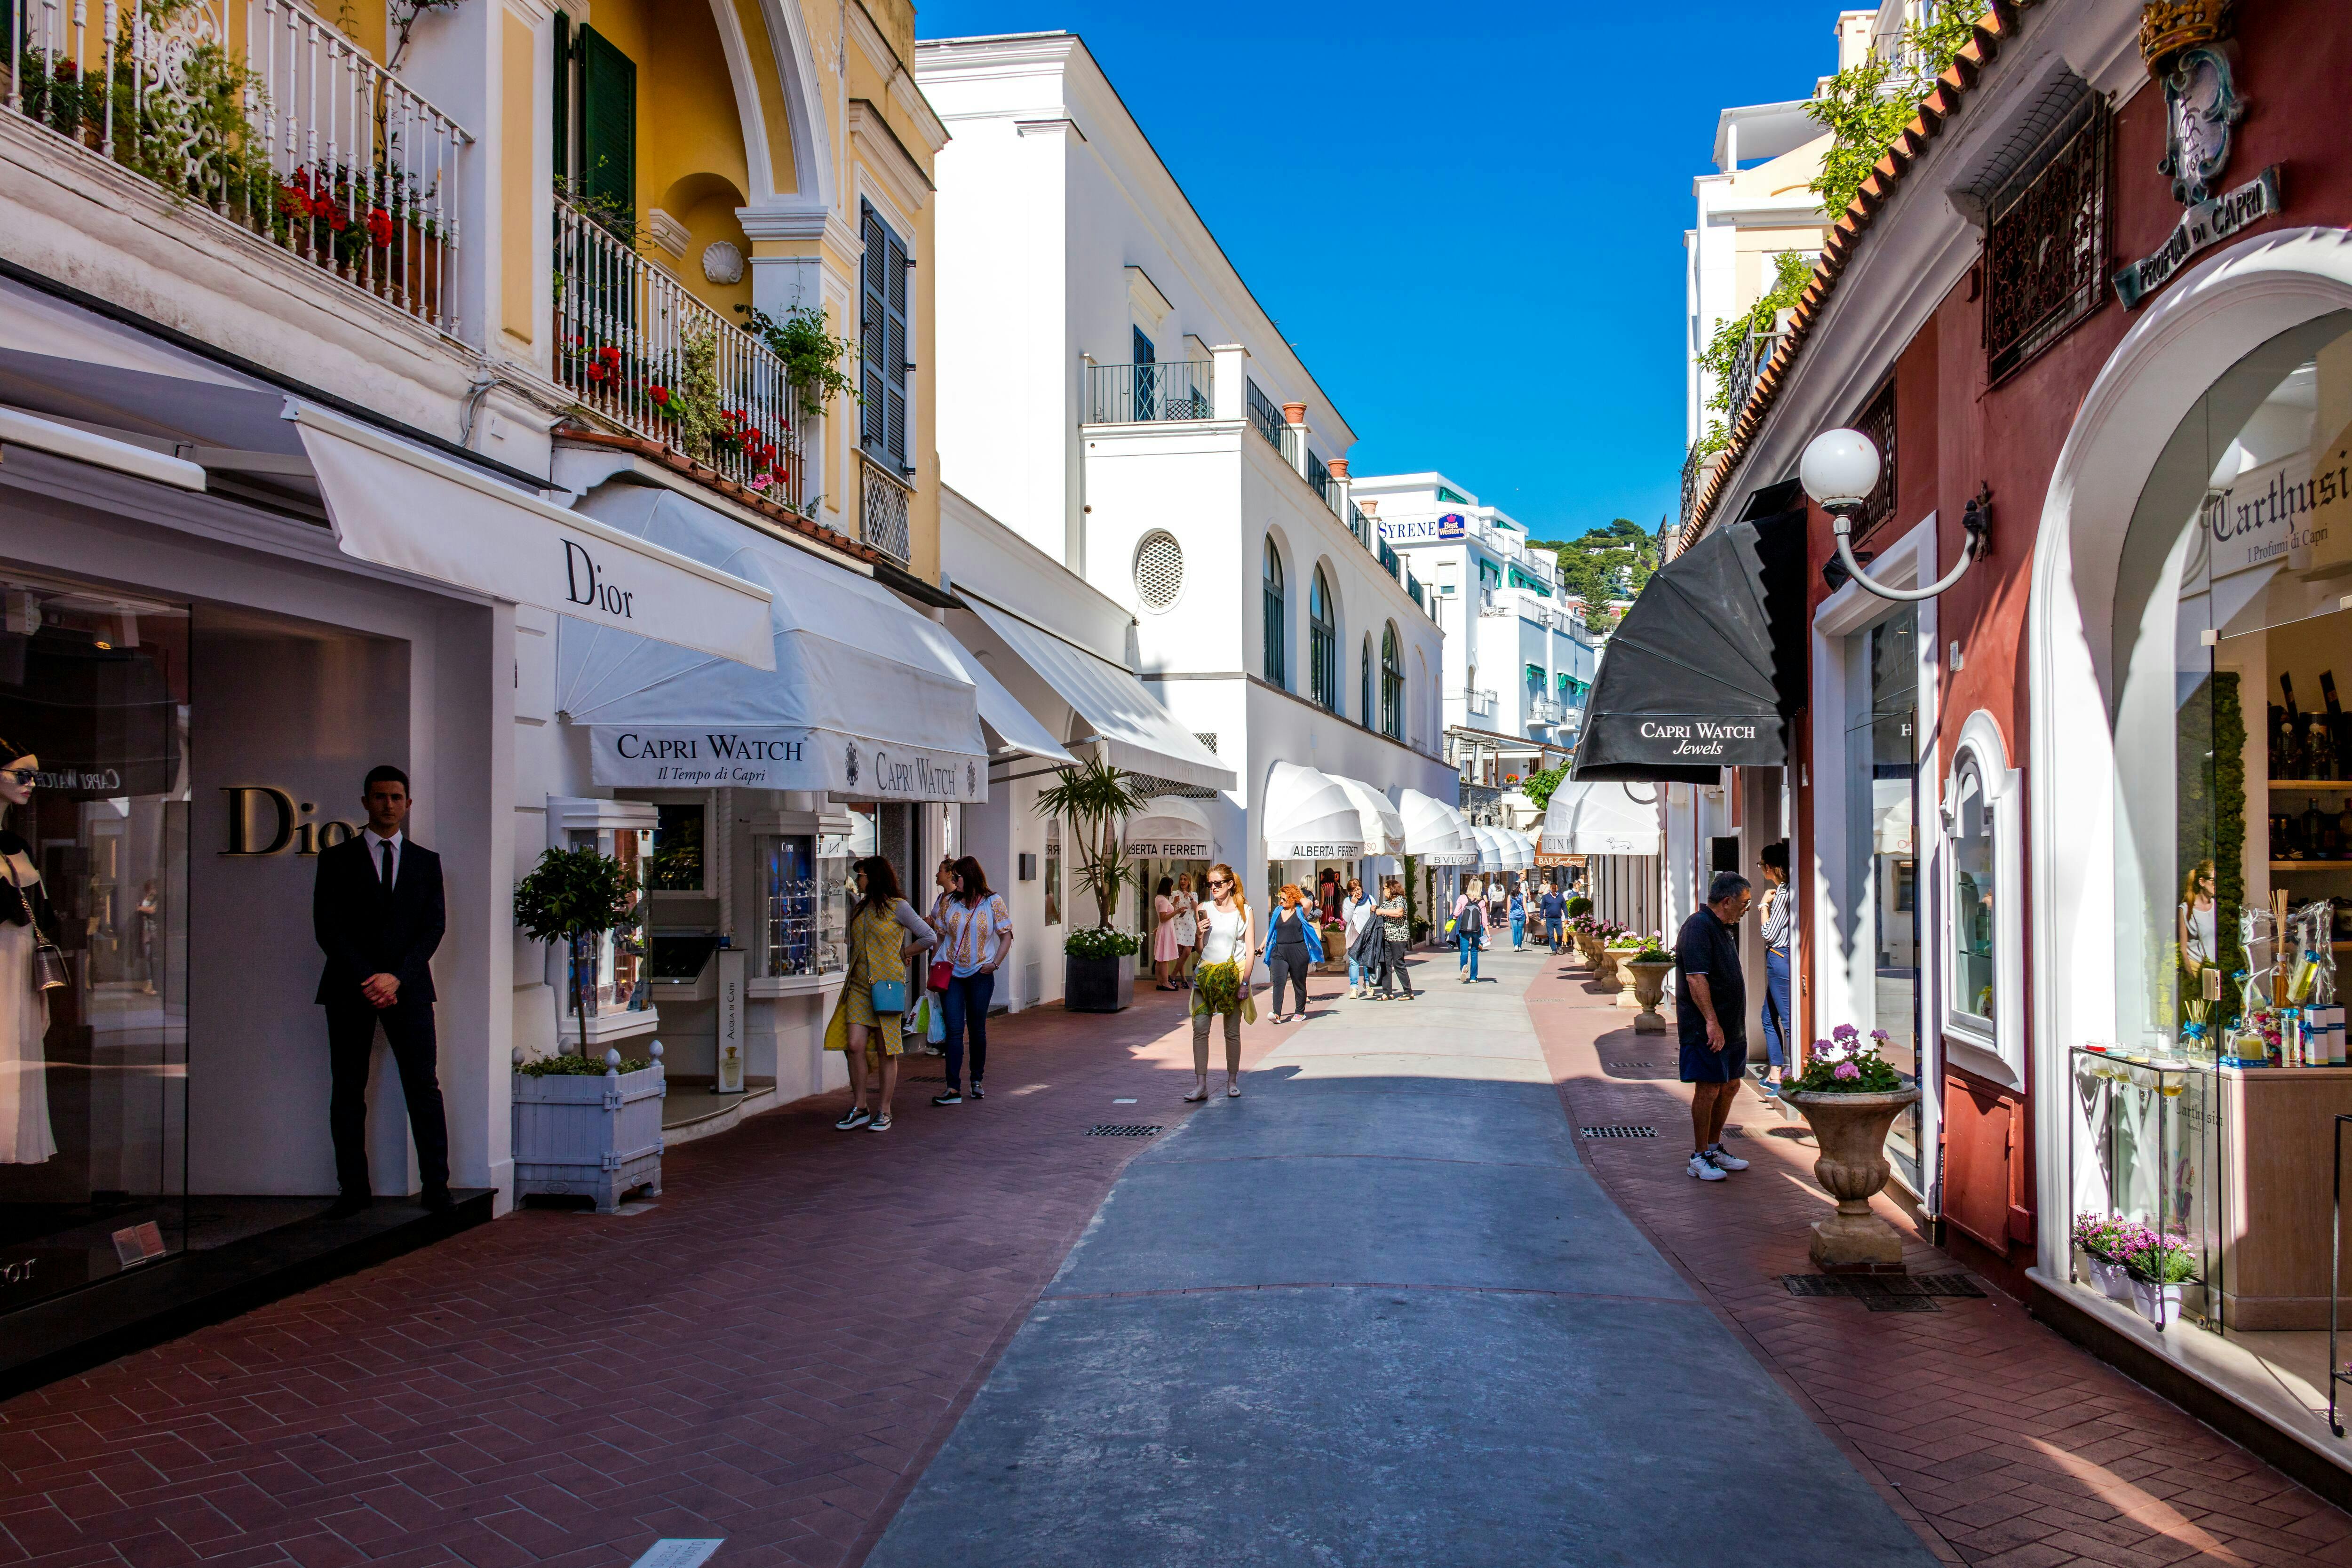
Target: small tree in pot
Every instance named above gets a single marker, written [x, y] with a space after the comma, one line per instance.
[1095, 799]
[573, 896]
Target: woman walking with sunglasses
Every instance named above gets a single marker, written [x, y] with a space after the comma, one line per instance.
[885, 935]
[1220, 985]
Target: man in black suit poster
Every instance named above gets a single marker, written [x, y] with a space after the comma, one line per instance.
[378, 911]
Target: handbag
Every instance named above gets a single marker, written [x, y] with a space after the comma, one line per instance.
[50, 972]
[942, 974]
[890, 995]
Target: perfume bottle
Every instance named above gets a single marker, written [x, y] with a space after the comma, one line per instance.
[2319, 748]
[2313, 826]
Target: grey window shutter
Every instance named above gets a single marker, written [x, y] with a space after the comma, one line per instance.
[882, 340]
[608, 125]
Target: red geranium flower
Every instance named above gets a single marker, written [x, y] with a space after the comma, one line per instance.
[379, 227]
[659, 394]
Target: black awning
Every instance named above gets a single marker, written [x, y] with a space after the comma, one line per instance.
[1709, 666]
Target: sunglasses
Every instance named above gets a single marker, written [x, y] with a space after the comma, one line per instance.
[22, 775]
[1219, 882]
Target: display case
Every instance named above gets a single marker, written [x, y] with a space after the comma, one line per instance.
[2147, 1147]
[803, 905]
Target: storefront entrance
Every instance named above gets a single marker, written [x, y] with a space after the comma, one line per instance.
[1881, 857]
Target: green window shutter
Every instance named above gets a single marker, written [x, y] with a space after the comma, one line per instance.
[882, 339]
[608, 125]
[563, 150]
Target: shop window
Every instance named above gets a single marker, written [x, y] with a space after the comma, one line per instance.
[1053, 871]
[607, 973]
[1984, 935]
[803, 909]
[677, 859]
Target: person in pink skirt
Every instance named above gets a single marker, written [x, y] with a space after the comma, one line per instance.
[1164, 950]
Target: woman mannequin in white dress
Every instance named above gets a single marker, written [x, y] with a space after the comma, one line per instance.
[24, 1137]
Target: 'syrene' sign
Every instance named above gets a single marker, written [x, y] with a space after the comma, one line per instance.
[715, 757]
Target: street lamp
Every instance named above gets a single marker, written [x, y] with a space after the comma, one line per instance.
[1838, 470]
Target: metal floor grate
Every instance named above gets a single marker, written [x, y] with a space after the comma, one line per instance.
[1121, 1130]
[1887, 1292]
[1621, 1130]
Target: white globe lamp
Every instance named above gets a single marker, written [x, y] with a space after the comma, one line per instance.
[1838, 470]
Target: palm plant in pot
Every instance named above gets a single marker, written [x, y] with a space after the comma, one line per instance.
[1095, 800]
[1850, 1097]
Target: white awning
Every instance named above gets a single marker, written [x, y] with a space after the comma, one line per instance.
[1492, 855]
[868, 699]
[414, 511]
[1309, 817]
[1132, 729]
[1171, 828]
[1432, 833]
[1602, 817]
[1014, 727]
[1383, 824]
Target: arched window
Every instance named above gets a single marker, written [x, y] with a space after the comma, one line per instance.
[1365, 711]
[1323, 638]
[1392, 684]
[1275, 670]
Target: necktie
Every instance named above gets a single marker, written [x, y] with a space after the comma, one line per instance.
[387, 864]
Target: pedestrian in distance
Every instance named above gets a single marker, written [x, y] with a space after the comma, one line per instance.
[1518, 907]
[1221, 986]
[1711, 1013]
[1356, 914]
[1291, 943]
[1496, 899]
[1470, 928]
[886, 937]
[1165, 954]
[1394, 923]
[1780, 918]
[378, 911]
[943, 890]
[1188, 928]
[1554, 909]
[975, 940]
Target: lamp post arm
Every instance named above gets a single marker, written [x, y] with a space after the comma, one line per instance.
[1976, 521]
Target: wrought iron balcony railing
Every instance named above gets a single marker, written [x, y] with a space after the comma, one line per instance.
[1266, 417]
[640, 351]
[284, 128]
[1754, 354]
[1319, 480]
[1148, 394]
[882, 509]
[1481, 704]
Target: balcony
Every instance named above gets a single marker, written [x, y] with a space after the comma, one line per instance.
[882, 508]
[283, 129]
[1148, 394]
[1546, 710]
[1481, 704]
[642, 353]
[1755, 352]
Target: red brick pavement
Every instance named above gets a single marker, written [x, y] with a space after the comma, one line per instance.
[2004, 1445]
[771, 1354]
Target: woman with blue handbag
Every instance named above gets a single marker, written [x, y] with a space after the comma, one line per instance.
[886, 937]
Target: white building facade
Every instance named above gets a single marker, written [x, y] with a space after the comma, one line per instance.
[1113, 393]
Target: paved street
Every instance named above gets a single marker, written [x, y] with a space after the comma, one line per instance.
[1377, 1310]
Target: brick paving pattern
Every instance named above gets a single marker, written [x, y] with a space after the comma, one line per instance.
[2004, 1445]
[769, 1354]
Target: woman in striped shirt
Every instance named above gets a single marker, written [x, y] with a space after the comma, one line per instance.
[975, 936]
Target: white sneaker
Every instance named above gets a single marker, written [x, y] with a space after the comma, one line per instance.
[1705, 1169]
[1724, 1160]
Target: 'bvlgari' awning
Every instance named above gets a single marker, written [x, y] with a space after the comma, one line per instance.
[1132, 729]
[1431, 834]
[1171, 828]
[1383, 823]
[414, 511]
[868, 701]
[1600, 819]
[1490, 849]
[1708, 667]
[1309, 817]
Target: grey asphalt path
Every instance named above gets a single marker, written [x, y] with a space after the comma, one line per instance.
[1376, 1312]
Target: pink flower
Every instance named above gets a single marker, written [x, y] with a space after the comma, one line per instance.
[1881, 1036]
[1846, 1071]
[1845, 1032]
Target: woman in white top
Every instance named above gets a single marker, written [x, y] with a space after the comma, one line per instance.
[1188, 930]
[976, 938]
[1222, 989]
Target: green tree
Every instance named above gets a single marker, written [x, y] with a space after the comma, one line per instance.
[1538, 787]
[574, 895]
[1605, 564]
[1094, 799]
[1866, 105]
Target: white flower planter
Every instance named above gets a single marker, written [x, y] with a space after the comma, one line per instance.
[2112, 1279]
[589, 1137]
[2159, 1304]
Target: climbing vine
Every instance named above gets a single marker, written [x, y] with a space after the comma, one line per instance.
[1866, 105]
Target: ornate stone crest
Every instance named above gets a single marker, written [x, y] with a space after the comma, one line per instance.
[2169, 27]
[2201, 112]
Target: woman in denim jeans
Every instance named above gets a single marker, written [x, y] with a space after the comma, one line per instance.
[975, 937]
[1780, 917]
[1470, 929]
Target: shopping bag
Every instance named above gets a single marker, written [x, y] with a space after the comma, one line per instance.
[935, 1025]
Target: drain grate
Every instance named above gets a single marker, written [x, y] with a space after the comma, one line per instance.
[1621, 1130]
[923, 1077]
[1887, 1292]
[1121, 1130]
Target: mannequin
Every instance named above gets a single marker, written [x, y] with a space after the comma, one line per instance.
[25, 1137]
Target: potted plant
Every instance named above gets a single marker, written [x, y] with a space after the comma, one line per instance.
[2158, 1265]
[1094, 799]
[2101, 1238]
[1607, 953]
[577, 897]
[1849, 1096]
[1649, 965]
[589, 1128]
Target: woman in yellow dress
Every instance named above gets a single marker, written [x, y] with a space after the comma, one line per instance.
[886, 936]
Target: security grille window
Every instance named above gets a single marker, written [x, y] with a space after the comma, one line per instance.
[1392, 684]
[882, 379]
[1158, 570]
[1877, 422]
[2048, 237]
[1323, 636]
[1275, 670]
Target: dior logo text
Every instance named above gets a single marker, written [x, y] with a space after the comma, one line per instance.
[585, 585]
[264, 820]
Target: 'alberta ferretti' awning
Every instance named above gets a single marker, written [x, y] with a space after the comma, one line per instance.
[1383, 823]
[1171, 828]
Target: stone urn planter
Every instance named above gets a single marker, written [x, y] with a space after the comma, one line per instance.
[1649, 990]
[587, 1135]
[1605, 970]
[1852, 1132]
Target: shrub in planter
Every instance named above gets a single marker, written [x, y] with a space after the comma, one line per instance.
[588, 1127]
[1096, 976]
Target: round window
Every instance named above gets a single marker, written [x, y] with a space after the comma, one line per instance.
[1158, 570]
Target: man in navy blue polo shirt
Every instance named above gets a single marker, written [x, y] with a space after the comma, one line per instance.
[1554, 909]
[1711, 1011]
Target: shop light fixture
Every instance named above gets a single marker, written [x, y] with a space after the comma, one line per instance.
[1838, 470]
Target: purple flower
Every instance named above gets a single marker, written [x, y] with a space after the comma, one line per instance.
[1844, 1032]
[1880, 1036]
[1846, 1071]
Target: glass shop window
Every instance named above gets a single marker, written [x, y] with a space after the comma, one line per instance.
[677, 858]
[803, 909]
[608, 974]
[1973, 892]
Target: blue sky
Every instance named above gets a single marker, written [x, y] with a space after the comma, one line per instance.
[1475, 237]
